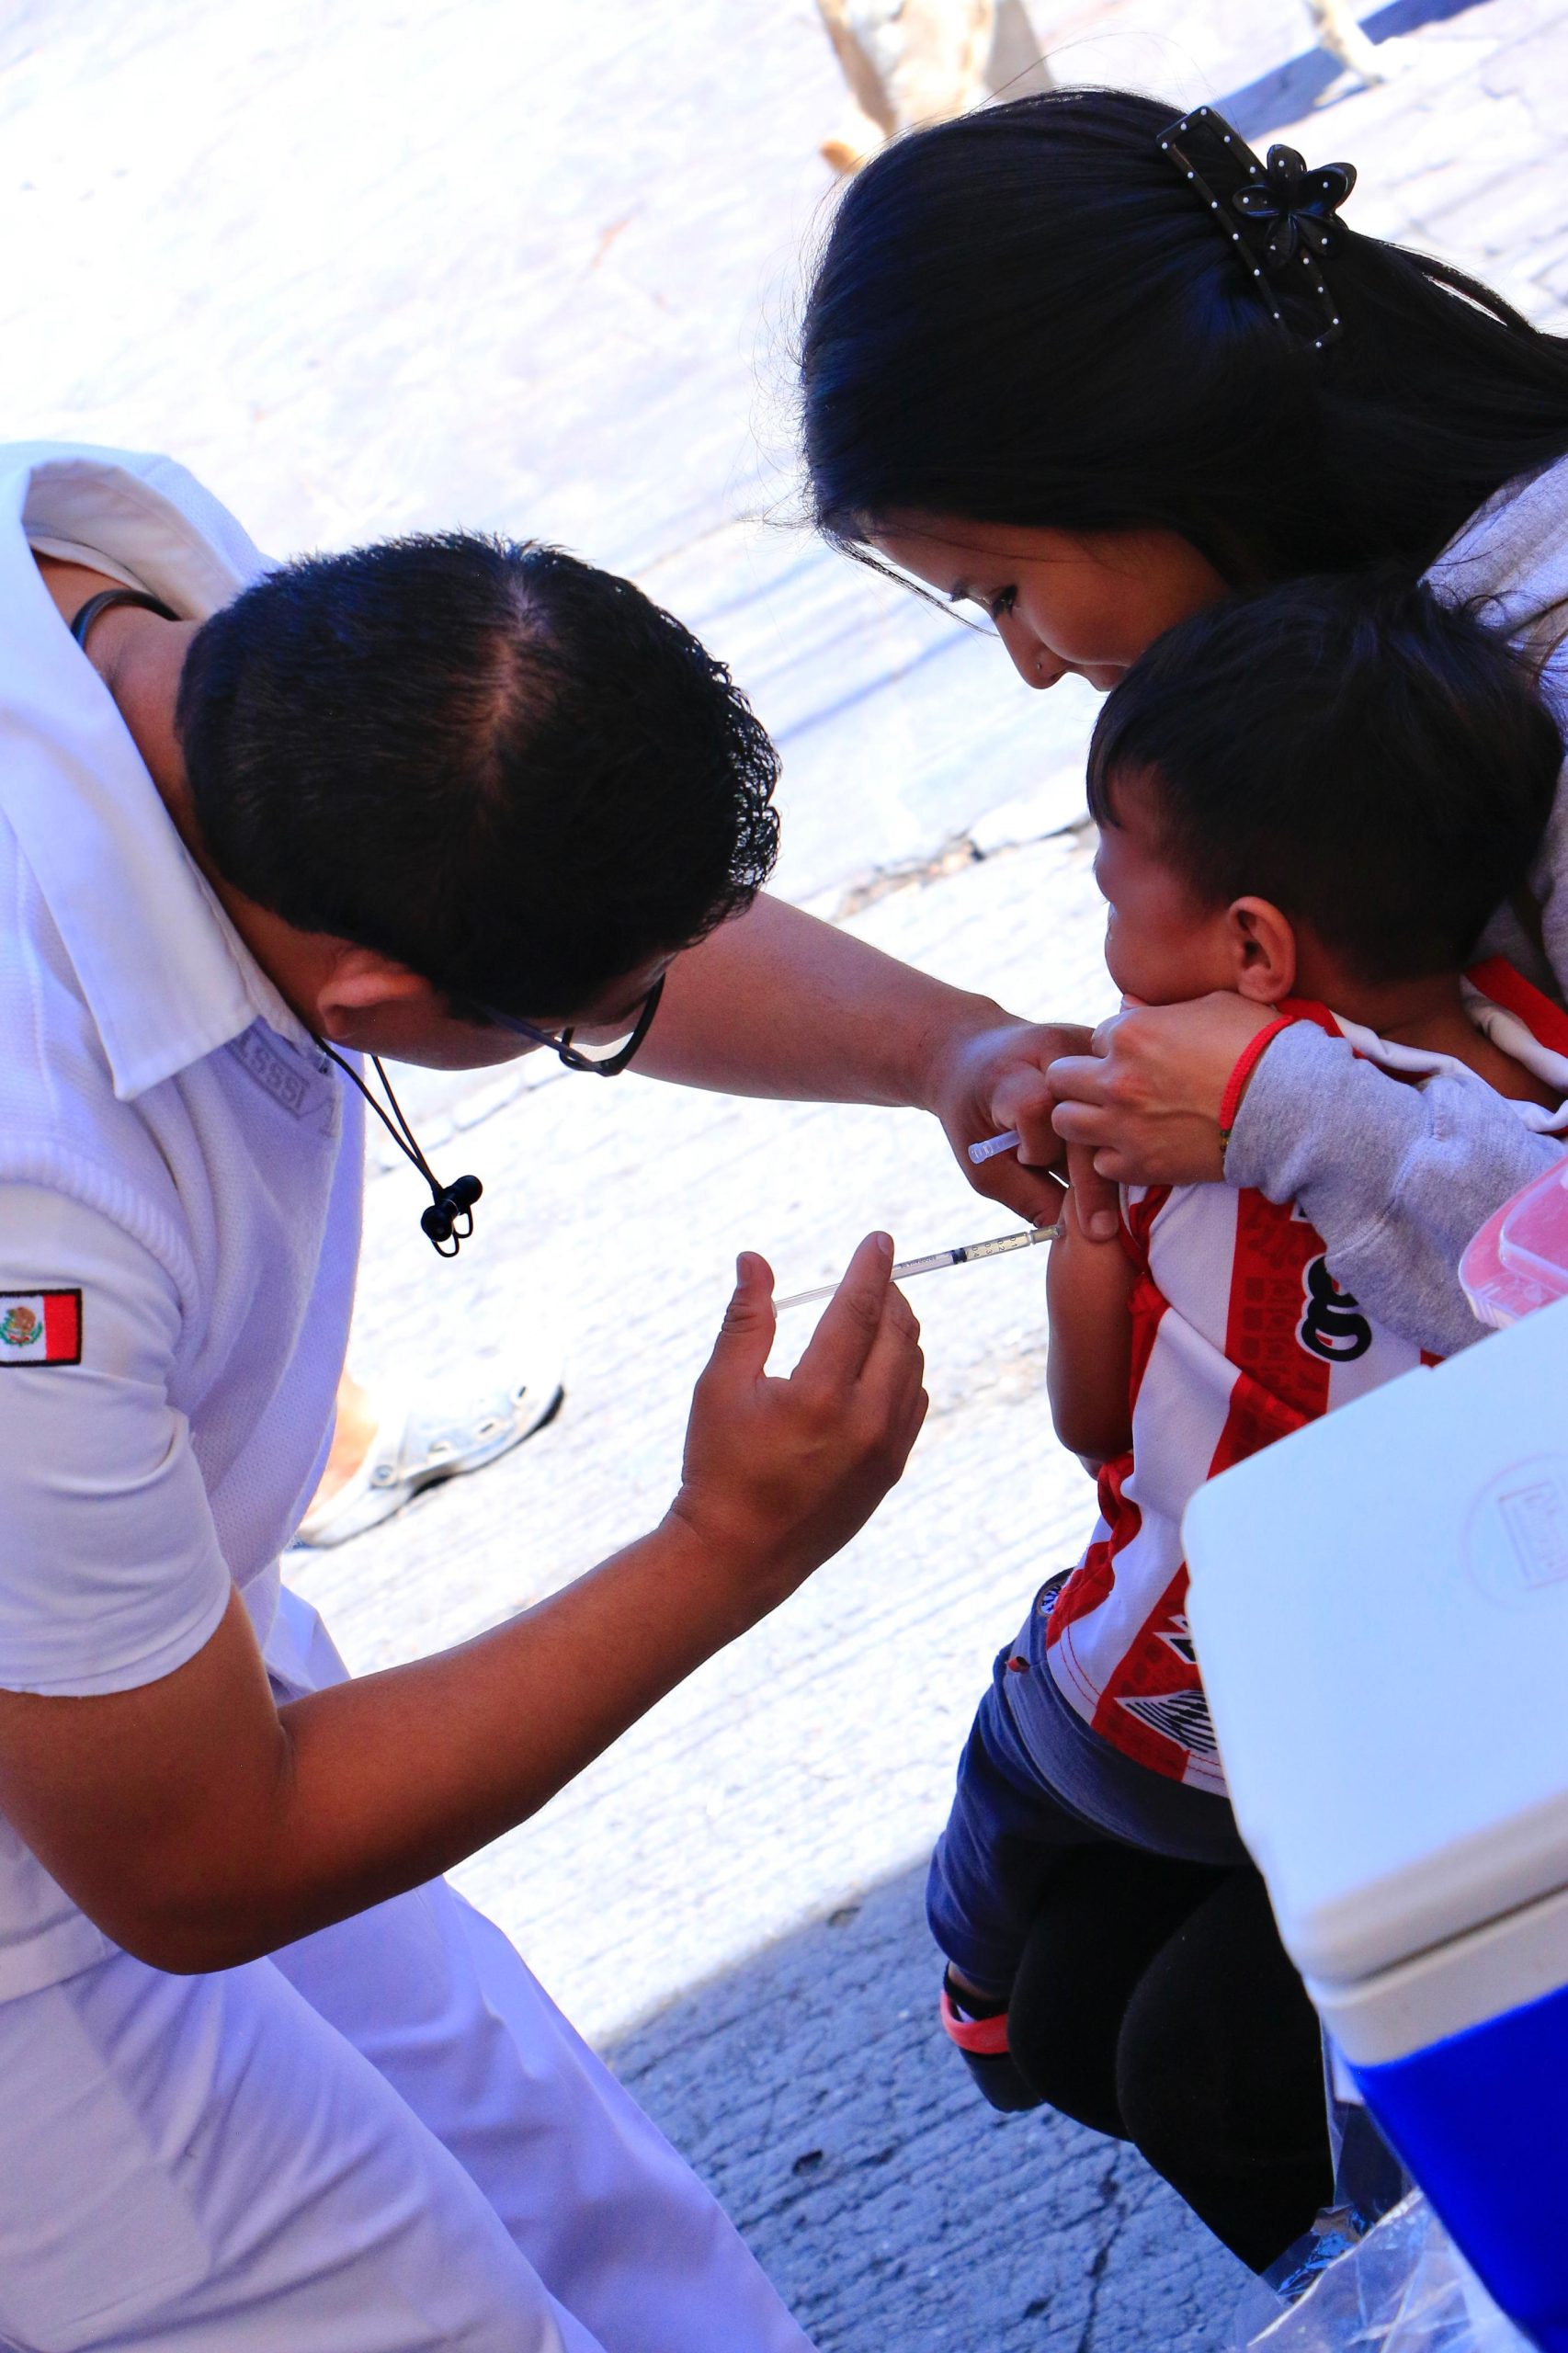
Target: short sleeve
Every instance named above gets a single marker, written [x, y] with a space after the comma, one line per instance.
[110, 1570]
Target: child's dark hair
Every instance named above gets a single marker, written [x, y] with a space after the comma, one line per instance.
[1375, 763]
[1025, 317]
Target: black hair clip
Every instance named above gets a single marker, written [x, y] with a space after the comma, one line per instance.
[1275, 213]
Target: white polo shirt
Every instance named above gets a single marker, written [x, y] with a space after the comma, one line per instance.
[180, 1169]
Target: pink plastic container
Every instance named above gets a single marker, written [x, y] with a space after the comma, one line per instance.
[1518, 1261]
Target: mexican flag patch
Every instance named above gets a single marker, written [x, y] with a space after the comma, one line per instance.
[40, 1327]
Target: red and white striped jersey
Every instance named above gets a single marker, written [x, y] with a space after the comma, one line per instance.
[1240, 1334]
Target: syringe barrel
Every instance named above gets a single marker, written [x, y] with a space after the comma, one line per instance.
[995, 1249]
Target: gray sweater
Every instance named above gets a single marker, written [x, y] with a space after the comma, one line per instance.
[1397, 1178]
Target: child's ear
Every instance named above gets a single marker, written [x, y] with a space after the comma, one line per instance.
[1263, 951]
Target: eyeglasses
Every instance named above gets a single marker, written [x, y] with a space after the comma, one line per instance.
[604, 1065]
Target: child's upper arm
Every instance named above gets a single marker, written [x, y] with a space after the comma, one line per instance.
[1089, 1360]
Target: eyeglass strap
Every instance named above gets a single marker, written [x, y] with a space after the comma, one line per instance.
[450, 1218]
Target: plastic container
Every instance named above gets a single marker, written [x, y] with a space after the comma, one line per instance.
[1519, 1260]
[1379, 1605]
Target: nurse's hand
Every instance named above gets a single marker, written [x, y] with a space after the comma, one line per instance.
[997, 1078]
[1141, 1106]
[780, 1474]
[199, 1823]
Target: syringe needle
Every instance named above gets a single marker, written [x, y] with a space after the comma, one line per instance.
[962, 1257]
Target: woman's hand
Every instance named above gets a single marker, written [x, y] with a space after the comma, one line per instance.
[997, 1078]
[779, 1474]
[1142, 1107]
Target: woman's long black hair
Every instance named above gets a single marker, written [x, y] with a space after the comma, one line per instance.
[1025, 317]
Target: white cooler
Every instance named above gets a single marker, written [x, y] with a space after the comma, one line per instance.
[1379, 1605]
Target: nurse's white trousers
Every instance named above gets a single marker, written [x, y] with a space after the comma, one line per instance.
[384, 2139]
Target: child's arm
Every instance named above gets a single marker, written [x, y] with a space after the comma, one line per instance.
[1089, 1362]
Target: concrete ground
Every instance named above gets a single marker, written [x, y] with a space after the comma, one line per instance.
[532, 268]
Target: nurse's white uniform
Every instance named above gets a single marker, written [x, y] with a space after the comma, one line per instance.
[384, 2139]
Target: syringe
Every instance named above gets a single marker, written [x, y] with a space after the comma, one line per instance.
[962, 1257]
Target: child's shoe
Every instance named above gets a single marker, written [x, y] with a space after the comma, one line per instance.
[984, 2043]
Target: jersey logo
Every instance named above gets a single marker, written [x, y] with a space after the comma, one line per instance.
[40, 1327]
[1181, 1716]
[1332, 1325]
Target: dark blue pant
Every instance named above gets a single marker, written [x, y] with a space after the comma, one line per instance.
[1150, 1995]
[1034, 1786]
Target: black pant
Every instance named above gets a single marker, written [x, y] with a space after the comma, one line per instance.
[1154, 2002]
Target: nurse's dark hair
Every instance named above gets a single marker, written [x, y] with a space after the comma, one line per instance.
[1376, 764]
[1025, 317]
[506, 769]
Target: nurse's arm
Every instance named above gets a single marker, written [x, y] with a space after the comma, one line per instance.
[199, 1825]
[775, 1003]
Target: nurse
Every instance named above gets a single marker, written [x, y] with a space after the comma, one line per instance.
[268, 2081]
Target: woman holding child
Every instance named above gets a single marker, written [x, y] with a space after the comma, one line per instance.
[1094, 368]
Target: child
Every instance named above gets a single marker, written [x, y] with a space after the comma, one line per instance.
[1316, 796]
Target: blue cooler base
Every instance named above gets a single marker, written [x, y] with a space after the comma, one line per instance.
[1480, 2120]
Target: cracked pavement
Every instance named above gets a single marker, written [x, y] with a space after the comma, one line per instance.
[531, 267]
